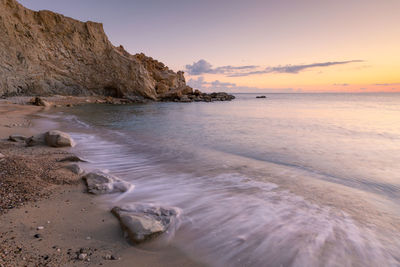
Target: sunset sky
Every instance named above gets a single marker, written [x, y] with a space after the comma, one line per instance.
[257, 46]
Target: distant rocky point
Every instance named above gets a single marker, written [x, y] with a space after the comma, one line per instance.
[44, 53]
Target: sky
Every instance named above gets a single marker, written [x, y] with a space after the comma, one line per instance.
[257, 45]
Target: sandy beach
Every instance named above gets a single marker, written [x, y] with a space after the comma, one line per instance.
[46, 217]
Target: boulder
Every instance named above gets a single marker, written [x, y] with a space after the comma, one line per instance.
[103, 183]
[17, 138]
[56, 138]
[142, 222]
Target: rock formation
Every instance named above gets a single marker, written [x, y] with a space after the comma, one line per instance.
[45, 53]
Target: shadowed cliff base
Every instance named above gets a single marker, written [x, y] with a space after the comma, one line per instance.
[45, 53]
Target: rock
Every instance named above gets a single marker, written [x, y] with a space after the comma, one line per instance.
[261, 96]
[2, 157]
[17, 138]
[142, 222]
[72, 158]
[75, 168]
[102, 183]
[35, 140]
[185, 99]
[40, 228]
[82, 256]
[56, 138]
[37, 101]
[38, 236]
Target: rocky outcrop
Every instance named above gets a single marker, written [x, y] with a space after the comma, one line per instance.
[103, 183]
[142, 222]
[44, 53]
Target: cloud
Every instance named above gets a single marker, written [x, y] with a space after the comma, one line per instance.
[341, 84]
[202, 67]
[293, 69]
[217, 85]
[386, 84]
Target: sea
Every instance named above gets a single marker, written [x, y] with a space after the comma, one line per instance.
[287, 180]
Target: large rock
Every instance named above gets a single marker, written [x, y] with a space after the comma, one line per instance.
[44, 53]
[142, 222]
[56, 138]
[103, 183]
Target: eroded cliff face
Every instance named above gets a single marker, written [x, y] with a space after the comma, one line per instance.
[44, 53]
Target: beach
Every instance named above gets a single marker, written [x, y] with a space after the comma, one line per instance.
[46, 218]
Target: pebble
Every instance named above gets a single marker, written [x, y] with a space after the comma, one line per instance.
[82, 256]
[88, 238]
[40, 228]
[37, 236]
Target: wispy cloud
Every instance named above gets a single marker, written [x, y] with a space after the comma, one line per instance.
[386, 84]
[341, 84]
[203, 67]
[293, 69]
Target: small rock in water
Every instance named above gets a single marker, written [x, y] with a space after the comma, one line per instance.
[102, 183]
[40, 228]
[142, 222]
[72, 158]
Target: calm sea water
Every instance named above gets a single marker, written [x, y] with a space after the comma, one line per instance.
[290, 180]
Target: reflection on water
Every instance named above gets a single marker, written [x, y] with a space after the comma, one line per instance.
[292, 180]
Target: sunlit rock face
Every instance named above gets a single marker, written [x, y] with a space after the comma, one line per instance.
[44, 53]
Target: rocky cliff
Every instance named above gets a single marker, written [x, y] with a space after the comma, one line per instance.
[44, 53]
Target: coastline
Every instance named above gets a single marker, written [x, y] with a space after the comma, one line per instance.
[45, 194]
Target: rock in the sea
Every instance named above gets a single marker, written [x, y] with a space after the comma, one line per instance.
[103, 183]
[144, 221]
[75, 168]
[17, 138]
[261, 96]
[56, 138]
[35, 140]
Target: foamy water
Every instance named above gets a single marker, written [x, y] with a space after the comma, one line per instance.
[293, 180]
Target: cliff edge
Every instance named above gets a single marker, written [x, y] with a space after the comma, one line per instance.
[45, 53]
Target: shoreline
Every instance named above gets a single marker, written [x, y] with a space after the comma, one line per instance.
[72, 220]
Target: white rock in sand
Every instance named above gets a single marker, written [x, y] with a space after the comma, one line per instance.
[144, 221]
[102, 183]
[57, 138]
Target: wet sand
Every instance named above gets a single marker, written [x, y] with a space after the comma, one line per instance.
[42, 194]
